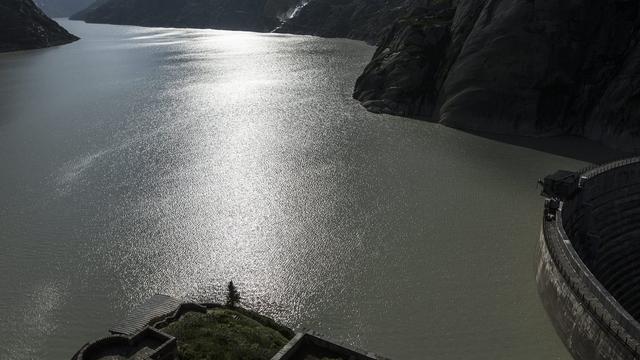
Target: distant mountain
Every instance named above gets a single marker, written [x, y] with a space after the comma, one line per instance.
[357, 19]
[82, 13]
[251, 15]
[24, 26]
[62, 8]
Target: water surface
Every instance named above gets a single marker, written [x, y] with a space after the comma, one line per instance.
[140, 161]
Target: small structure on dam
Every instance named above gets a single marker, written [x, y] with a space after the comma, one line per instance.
[588, 272]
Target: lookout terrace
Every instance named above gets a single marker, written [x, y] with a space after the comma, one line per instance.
[588, 271]
[155, 330]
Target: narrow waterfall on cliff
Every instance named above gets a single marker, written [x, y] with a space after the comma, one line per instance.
[291, 13]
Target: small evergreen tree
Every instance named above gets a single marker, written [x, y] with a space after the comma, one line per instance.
[233, 296]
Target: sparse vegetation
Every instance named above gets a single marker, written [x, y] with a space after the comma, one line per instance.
[225, 334]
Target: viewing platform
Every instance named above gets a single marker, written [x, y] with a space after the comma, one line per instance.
[144, 334]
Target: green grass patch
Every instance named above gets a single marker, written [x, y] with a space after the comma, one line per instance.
[224, 334]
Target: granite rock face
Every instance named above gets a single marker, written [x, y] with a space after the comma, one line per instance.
[403, 76]
[62, 8]
[366, 20]
[24, 26]
[249, 15]
[521, 67]
[356, 19]
[278, 8]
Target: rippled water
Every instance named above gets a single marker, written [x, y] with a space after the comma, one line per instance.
[141, 161]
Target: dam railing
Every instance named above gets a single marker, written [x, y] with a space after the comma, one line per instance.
[592, 171]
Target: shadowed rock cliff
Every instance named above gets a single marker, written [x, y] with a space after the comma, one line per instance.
[24, 26]
[249, 15]
[530, 68]
[356, 19]
[62, 8]
[366, 20]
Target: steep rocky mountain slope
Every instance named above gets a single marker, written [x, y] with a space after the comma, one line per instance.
[24, 26]
[250, 15]
[532, 68]
[62, 8]
[356, 19]
[364, 20]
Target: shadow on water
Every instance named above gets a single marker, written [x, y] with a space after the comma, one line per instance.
[573, 147]
[569, 146]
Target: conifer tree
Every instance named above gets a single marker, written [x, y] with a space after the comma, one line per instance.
[233, 296]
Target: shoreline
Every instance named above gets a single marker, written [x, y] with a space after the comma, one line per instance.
[192, 331]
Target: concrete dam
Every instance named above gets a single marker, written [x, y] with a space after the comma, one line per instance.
[588, 271]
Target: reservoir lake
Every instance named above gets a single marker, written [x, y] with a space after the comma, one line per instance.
[139, 161]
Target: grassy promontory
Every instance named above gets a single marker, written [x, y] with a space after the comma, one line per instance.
[229, 334]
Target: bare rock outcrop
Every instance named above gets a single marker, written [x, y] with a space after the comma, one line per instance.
[62, 8]
[403, 77]
[24, 26]
[249, 15]
[532, 68]
[367, 20]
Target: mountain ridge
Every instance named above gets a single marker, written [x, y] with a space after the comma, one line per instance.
[62, 8]
[24, 26]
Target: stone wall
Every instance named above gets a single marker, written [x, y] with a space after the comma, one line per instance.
[149, 343]
[301, 343]
[590, 321]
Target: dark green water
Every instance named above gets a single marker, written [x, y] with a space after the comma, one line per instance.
[140, 161]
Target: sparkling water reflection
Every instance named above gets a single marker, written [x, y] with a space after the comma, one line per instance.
[141, 161]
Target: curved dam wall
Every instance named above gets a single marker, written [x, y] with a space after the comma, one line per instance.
[603, 223]
[588, 272]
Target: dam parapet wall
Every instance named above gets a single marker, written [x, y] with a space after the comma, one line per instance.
[589, 253]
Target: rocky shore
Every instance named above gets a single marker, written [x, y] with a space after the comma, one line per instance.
[514, 67]
[24, 26]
